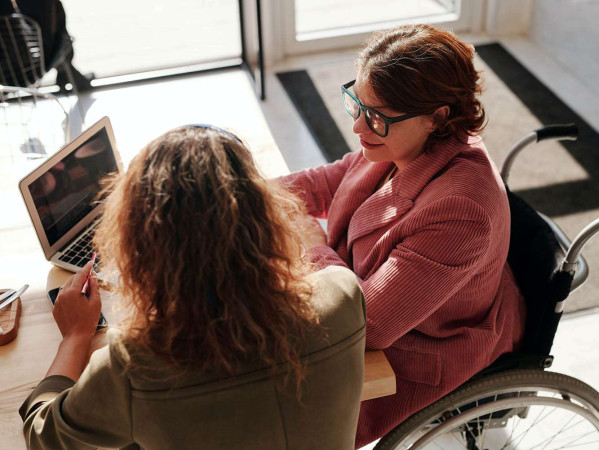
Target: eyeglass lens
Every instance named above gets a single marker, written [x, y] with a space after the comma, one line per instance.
[374, 121]
[351, 105]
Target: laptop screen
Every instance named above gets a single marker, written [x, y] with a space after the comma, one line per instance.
[66, 193]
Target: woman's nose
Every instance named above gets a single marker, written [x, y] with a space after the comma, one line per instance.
[360, 125]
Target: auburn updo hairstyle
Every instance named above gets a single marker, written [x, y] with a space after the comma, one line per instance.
[419, 68]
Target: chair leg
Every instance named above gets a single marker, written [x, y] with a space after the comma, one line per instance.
[67, 73]
[76, 83]
[76, 78]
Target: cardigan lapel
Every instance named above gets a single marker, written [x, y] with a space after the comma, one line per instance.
[397, 196]
[357, 186]
[382, 207]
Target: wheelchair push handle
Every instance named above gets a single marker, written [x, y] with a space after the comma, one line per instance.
[548, 132]
[578, 243]
[573, 262]
[561, 132]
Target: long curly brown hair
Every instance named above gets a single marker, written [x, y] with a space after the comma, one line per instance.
[208, 254]
[419, 68]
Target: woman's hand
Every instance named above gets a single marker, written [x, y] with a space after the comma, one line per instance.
[77, 318]
[312, 233]
[74, 313]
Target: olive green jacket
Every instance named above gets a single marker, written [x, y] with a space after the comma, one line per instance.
[144, 405]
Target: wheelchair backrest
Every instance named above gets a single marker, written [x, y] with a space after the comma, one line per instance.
[535, 256]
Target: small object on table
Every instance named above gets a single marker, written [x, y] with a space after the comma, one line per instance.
[12, 297]
[9, 320]
[6, 294]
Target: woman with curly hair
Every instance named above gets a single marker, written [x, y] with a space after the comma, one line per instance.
[421, 216]
[229, 340]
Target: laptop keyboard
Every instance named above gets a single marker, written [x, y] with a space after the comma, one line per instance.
[80, 251]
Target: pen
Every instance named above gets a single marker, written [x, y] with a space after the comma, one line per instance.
[86, 284]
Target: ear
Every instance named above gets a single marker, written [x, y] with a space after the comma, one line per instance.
[440, 116]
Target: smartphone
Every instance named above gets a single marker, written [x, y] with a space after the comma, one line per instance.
[53, 293]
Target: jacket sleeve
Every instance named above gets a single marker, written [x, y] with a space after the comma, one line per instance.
[94, 412]
[317, 187]
[324, 256]
[450, 239]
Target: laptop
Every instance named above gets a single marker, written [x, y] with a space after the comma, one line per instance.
[61, 195]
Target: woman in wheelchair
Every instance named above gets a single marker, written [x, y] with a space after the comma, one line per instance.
[421, 216]
[221, 311]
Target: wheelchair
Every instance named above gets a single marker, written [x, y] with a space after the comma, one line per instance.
[514, 403]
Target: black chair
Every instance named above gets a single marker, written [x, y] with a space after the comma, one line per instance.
[22, 59]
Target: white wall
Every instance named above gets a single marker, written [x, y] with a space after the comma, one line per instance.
[568, 30]
[508, 17]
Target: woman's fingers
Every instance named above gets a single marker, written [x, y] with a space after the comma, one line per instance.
[75, 313]
[68, 282]
[77, 280]
[81, 275]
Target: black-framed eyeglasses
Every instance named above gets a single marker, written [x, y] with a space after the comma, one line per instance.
[377, 121]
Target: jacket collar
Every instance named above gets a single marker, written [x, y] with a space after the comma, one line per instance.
[397, 196]
[414, 178]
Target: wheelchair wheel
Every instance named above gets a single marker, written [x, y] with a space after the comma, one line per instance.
[518, 409]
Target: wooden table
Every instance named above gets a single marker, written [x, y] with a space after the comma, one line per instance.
[24, 362]
[379, 379]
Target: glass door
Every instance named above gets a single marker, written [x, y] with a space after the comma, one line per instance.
[119, 41]
[317, 25]
[115, 37]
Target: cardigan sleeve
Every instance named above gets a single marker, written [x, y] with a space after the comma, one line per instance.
[324, 256]
[447, 247]
[317, 187]
[94, 412]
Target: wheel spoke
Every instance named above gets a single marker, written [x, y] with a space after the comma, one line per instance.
[569, 444]
[547, 410]
[466, 424]
[541, 416]
[561, 429]
[442, 418]
[458, 440]
[478, 426]
[538, 420]
[509, 438]
[564, 428]
[485, 430]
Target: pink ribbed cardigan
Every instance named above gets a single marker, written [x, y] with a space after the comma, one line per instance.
[429, 248]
